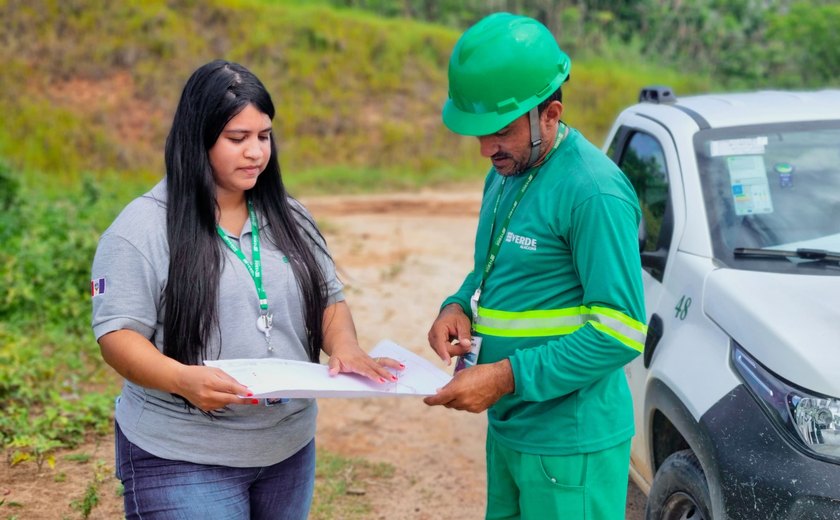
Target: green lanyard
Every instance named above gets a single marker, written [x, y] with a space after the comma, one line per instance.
[255, 269]
[497, 243]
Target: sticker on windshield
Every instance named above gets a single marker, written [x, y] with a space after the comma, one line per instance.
[745, 146]
[750, 188]
[785, 171]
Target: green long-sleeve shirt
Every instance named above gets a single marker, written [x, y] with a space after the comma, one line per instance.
[563, 302]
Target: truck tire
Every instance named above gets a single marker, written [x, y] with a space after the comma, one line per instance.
[679, 490]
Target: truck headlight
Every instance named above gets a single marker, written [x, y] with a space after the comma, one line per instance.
[811, 418]
[818, 421]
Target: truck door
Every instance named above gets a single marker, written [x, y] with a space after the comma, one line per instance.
[645, 152]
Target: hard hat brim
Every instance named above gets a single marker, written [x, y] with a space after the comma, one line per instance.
[468, 123]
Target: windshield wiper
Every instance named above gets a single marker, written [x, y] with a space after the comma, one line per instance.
[803, 253]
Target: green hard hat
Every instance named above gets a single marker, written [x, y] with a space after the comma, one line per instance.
[501, 67]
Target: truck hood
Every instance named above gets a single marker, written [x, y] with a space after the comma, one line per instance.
[789, 323]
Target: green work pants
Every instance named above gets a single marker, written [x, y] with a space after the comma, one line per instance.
[585, 486]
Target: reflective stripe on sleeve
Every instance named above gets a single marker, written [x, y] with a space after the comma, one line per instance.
[625, 329]
[553, 322]
[559, 322]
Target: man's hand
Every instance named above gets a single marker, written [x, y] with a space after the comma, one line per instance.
[477, 388]
[451, 325]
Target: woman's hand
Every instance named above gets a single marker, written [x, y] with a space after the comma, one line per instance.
[137, 360]
[343, 348]
[349, 358]
[210, 388]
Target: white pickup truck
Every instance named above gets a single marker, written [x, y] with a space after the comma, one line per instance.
[737, 395]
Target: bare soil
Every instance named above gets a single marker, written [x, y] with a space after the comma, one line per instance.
[399, 256]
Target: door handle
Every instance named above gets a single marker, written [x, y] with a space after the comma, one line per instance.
[654, 334]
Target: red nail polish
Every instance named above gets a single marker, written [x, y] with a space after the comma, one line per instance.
[393, 378]
[249, 394]
[381, 379]
[402, 366]
[255, 401]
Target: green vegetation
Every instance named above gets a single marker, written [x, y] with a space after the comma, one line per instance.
[90, 499]
[51, 375]
[340, 486]
[351, 90]
[81, 458]
[738, 43]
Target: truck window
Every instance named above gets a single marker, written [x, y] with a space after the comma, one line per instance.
[643, 161]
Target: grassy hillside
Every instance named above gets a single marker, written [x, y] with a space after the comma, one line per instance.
[90, 86]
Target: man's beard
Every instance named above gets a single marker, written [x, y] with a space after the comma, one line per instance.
[517, 166]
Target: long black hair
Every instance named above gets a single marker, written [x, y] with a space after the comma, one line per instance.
[214, 94]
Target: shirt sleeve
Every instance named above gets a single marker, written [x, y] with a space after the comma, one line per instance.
[128, 290]
[463, 295]
[334, 287]
[603, 238]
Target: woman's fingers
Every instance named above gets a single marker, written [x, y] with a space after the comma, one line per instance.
[375, 369]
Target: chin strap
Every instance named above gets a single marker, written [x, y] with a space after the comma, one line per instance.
[536, 137]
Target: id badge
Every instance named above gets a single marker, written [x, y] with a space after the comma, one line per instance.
[470, 358]
[474, 305]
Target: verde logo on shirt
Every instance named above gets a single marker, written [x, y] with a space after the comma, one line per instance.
[526, 243]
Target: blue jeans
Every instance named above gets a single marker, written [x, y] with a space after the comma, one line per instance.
[162, 489]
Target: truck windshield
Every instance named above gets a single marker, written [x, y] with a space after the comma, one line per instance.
[773, 187]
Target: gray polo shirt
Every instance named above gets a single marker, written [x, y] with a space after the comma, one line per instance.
[130, 270]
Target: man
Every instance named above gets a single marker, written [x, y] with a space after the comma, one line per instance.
[555, 297]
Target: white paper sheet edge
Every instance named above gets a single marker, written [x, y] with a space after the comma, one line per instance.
[275, 378]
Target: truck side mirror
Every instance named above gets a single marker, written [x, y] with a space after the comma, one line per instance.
[642, 234]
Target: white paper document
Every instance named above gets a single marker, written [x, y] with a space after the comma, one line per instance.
[274, 378]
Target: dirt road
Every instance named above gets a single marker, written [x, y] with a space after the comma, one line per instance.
[399, 256]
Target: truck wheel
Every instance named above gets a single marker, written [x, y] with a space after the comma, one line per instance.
[679, 490]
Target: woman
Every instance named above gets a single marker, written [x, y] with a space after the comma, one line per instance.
[218, 262]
